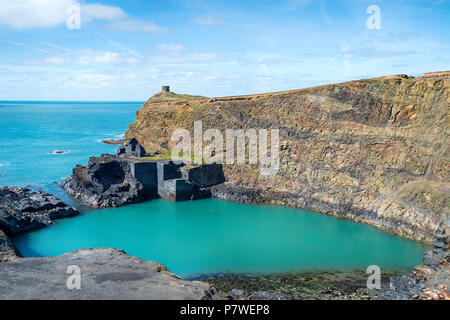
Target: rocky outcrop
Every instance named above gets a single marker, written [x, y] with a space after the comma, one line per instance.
[374, 150]
[106, 181]
[8, 251]
[131, 148]
[113, 181]
[430, 281]
[23, 209]
[105, 274]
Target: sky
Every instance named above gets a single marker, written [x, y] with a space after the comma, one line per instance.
[125, 50]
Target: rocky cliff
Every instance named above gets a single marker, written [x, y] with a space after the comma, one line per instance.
[374, 150]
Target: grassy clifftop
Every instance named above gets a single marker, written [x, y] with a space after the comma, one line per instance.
[372, 150]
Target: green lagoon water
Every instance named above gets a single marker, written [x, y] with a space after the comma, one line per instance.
[190, 238]
[215, 236]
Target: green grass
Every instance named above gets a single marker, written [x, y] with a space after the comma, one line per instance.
[176, 96]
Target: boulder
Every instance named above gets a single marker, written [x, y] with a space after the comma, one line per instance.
[105, 274]
[23, 209]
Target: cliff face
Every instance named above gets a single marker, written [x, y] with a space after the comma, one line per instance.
[374, 150]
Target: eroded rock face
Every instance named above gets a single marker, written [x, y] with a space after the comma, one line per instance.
[8, 251]
[23, 209]
[105, 274]
[374, 150]
[106, 181]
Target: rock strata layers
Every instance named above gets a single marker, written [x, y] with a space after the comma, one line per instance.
[104, 274]
[373, 150]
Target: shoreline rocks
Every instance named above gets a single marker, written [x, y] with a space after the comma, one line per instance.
[114, 141]
[106, 273]
[429, 281]
[23, 209]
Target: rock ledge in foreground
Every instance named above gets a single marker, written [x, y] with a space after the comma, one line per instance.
[105, 274]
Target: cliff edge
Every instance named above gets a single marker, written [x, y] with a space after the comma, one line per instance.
[373, 150]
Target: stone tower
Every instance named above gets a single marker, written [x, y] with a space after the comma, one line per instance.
[165, 88]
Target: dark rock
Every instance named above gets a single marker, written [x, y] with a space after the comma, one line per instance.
[133, 148]
[8, 252]
[22, 209]
[120, 151]
[205, 175]
[107, 181]
[105, 274]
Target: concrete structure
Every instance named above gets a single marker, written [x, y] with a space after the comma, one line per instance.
[146, 173]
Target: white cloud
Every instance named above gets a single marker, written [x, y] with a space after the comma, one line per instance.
[92, 57]
[102, 12]
[207, 21]
[185, 58]
[54, 60]
[26, 14]
[170, 47]
[33, 13]
[136, 25]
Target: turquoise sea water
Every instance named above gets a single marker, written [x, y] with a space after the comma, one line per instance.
[192, 237]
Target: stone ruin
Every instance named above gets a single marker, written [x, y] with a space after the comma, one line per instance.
[128, 177]
[132, 148]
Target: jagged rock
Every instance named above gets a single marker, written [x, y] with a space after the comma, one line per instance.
[106, 181]
[133, 148]
[8, 252]
[105, 274]
[22, 209]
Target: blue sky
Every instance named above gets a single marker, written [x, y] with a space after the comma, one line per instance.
[125, 50]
